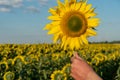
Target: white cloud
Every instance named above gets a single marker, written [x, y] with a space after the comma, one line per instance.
[9, 5]
[12, 3]
[29, 0]
[43, 2]
[4, 9]
[6, 5]
[4, 2]
[32, 9]
[16, 3]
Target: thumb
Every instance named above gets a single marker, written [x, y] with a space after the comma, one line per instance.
[77, 56]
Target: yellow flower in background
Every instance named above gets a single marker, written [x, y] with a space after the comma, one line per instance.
[100, 56]
[58, 75]
[9, 76]
[4, 65]
[72, 22]
[18, 58]
[66, 69]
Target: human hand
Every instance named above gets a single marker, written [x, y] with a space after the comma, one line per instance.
[80, 70]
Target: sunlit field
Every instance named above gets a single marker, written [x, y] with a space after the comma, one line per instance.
[50, 62]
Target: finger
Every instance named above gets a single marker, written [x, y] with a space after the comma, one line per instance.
[72, 59]
[76, 65]
[74, 53]
[77, 56]
[76, 61]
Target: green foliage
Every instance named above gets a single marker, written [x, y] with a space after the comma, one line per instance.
[41, 61]
[118, 73]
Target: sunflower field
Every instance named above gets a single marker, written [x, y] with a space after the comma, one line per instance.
[50, 62]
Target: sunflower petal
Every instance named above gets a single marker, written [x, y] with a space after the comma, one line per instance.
[66, 43]
[93, 22]
[91, 10]
[77, 44]
[47, 27]
[54, 17]
[73, 1]
[64, 38]
[82, 8]
[66, 3]
[78, 5]
[56, 37]
[67, 7]
[52, 11]
[90, 32]
[80, 41]
[50, 25]
[60, 4]
[55, 23]
[72, 7]
[89, 15]
[71, 45]
[83, 37]
[54, 30]
[88, 7]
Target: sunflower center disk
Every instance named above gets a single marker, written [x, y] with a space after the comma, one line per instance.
[73, 24]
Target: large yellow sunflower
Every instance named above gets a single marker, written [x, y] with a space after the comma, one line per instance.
[72, 23]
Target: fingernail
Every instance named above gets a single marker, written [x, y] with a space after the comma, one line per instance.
[74, 53]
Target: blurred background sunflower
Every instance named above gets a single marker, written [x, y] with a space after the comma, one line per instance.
[72, 23]
[58, 75]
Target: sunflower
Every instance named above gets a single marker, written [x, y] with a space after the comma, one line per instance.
[4, 65]
[72, 22]
[18, 59]
[9, 76]
[66, 68]
[58, 75]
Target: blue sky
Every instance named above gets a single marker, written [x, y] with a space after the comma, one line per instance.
[22, 21]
